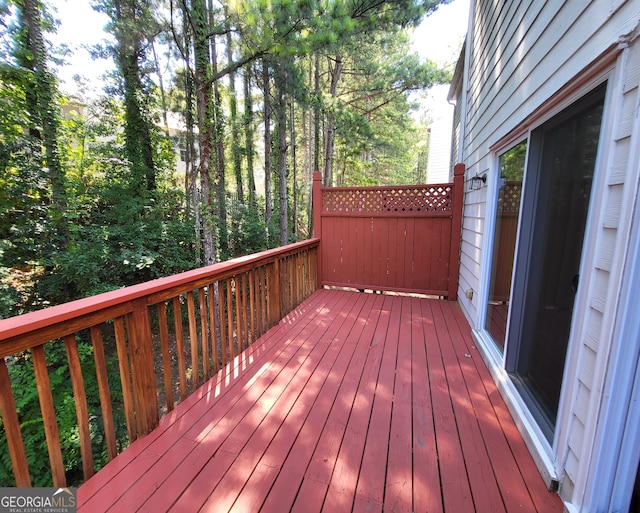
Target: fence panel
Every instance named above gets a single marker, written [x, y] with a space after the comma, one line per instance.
[400, 238]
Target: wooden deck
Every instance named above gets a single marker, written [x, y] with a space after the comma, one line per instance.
[354, 402]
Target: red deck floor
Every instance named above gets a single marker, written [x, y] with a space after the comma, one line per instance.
[354, 402]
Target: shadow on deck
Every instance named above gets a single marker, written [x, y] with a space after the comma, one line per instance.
[353, 402]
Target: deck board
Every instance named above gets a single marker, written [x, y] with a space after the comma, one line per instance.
[354, 402]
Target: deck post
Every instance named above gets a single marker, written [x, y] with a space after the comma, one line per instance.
[456, 230]
[142, 368]
[317, 222]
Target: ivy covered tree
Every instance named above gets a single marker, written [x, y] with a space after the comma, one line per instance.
[132, 25]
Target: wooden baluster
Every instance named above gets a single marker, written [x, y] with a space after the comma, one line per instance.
[103, 391]
[212, 322]
[182, 370]
[11, 426]
[48, 416]
[296, 279]
[252, 305]
[230, 283]
[204, 334]
[264, 299]
[193, 340]
[166, 356]
[223, 325]
[80, 398]
[274, 305]
[125, 377]
[257, 290]
[238, 282]
[245, 327]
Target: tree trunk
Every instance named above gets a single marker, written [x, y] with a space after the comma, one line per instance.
[205, 110]
[294, 168]
[248, 133]
[280, 84]
[236, 155]
[268, 198]
[335, 72]
[192, 190]
[220, 185]
[137, 128]
[316, 115]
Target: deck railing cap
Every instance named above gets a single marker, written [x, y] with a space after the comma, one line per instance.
[20, 324]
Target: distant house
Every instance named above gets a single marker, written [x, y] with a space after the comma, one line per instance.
[547, 122]
[438, 162]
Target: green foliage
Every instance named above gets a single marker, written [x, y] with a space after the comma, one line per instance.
[122, 240]
[512, 162]
[248, 232]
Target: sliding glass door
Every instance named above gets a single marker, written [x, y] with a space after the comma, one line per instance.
[543, 197]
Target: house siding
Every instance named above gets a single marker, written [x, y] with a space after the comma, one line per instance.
[595, 344]
[525, 61]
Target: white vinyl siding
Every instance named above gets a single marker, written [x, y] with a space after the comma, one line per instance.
[471, 247]
[596, 342]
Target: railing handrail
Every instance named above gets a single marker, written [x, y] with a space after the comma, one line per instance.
[32, 321]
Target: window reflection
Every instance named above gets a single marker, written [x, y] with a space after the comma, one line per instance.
[504, 241]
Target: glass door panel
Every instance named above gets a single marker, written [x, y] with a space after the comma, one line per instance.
[504, 241]
[564, 152]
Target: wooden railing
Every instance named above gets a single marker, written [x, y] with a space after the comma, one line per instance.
[190, 325]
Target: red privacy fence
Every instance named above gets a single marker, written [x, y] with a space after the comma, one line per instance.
[401, 238]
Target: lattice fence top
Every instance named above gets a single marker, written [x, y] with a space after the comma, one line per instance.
[397, 201]
[509, 199]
